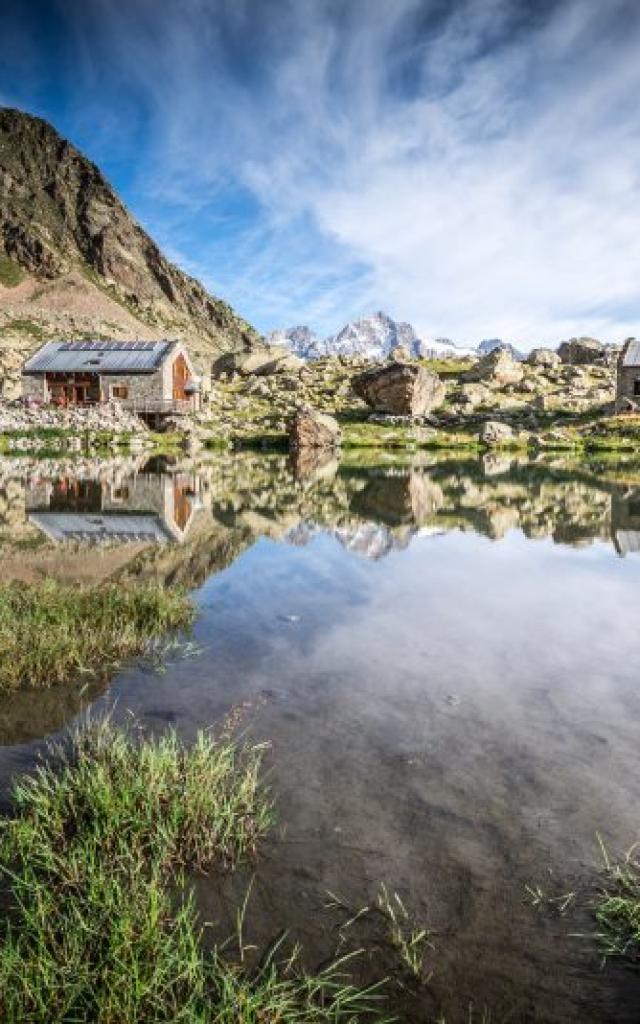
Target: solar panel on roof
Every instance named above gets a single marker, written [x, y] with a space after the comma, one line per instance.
[109, 356]
[109, 346]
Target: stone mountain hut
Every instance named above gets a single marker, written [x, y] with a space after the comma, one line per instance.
[628, 377]
[151, 378]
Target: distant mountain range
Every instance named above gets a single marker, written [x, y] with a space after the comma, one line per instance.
[375, 337]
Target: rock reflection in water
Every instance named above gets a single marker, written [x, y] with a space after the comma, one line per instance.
[456, 717]
[129, 510]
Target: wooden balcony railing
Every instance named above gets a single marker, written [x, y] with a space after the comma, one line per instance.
[158, 406]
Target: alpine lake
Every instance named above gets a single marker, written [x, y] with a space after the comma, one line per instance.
[442, 652]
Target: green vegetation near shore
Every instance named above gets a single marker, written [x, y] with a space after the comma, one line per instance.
[363, 434]
[618, 908]
[51, 633]
[103, 929]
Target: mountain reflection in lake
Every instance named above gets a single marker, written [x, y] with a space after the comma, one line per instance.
[444, 655]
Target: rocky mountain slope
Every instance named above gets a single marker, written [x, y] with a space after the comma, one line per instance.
[73, 261]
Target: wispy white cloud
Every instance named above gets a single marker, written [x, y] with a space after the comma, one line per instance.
[473, 171]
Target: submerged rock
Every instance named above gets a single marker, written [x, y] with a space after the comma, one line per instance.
[312, 429]
[399, 389]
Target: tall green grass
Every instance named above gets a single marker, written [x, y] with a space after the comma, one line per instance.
[51, 632]
[103, 929]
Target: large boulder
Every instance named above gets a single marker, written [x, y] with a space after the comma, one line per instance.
[496, 369]
[543, 357]
[581, 351]
[400, 389]
[312, 429]
[260, 364]
[495, 433]
[473, 395]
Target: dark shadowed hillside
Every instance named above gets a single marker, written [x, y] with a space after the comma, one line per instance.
[74, 261]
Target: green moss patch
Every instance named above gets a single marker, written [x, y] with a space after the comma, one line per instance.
[11, 274]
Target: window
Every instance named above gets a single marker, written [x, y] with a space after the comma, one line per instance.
[119, 391]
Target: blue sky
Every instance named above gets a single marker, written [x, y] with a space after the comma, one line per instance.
[471, 166]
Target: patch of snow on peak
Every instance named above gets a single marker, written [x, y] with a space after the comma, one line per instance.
[373, 337]
[301, 341]
[443, 348]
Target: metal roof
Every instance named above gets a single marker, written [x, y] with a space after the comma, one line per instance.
[632, 355]
[102, 528]
[627, 541]
[98, 357]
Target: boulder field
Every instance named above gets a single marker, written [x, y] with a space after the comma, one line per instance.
[254, 400]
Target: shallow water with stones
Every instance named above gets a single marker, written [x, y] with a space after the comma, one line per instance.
[443, 654]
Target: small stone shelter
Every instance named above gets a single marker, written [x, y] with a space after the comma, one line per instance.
[628, 376]
[147, 377]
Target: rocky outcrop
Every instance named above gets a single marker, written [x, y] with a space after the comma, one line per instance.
[400, 389]
[259, 364]
[543, 357]
[496, 369]
[68, 246]
[10, 373]
[312, 429]
[581, 351]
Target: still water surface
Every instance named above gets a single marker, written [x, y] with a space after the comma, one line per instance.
[444, 656]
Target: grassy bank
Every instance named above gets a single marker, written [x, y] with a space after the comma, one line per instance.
[103, 929]
[51, 633]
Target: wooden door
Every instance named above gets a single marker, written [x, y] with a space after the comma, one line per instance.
[181, 505]
[181, 377]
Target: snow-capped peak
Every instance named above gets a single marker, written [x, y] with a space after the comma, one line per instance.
[371, 337]
[302, 341]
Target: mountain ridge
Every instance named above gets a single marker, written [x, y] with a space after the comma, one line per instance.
[74, 261]
[371, 337]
